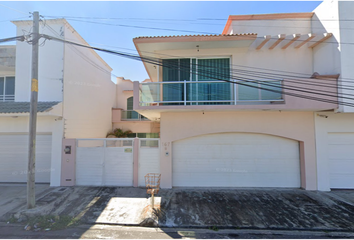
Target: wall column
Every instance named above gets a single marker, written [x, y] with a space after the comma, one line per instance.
[135, 162]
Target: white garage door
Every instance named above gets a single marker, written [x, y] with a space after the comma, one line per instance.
[341, 160]
[104, 162]
[236, 160]
[14, 157]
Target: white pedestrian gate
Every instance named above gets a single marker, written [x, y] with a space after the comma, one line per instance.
[149, 158]
[104, 162]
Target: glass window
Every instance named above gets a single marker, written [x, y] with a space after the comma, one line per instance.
[130, 103]
[275, 92]
[248, 91]
[216, 69]
[10, 86]
[2, 81]
[7, 88]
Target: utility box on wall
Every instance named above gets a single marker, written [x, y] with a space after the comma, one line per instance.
[68, 162]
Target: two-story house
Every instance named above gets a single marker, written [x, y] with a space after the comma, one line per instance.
[75, 100]
[256, 106]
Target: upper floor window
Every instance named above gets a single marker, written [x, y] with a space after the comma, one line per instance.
[7, 89]
[210, 74]
[130, 114]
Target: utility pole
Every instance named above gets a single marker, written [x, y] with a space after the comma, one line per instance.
[31, 196]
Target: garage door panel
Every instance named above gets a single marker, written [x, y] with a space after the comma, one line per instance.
[341, 151]
[344, 166]
[236, 160]
[341, 160]
[14, 157]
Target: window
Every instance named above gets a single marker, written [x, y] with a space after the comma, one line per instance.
[7, 89]
[130, 114]
[144, 135]
[260, 91]
[198, 71]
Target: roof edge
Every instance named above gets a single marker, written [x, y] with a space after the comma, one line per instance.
[186, 38]
[267, 16]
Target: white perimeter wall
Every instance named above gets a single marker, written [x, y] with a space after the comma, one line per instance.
[89, 93]
[46, 125]
[334, 123]
[50, 75]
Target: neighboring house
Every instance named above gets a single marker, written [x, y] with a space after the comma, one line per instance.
[261, 127]
[75, 100]
[125, 118]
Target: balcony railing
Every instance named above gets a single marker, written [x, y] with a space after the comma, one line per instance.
[210, 93]
[130, 115]
[7, 98]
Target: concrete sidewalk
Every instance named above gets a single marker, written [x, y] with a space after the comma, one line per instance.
[222, 208]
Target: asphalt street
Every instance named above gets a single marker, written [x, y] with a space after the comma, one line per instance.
[101, 231]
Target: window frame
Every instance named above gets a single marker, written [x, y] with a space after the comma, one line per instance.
[3, 95]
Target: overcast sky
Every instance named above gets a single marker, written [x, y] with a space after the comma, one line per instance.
[140, 19]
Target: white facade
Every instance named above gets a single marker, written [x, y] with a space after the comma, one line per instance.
[336, 57]
[77, 78]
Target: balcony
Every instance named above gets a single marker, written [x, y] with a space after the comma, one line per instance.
[189, 93]
[7, 98]
[300, 94]
[119, 115]
[130, 115]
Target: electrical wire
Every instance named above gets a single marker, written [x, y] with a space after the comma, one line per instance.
[141, 27]
[82, 55]
[342, 79]
[11, 39]
[13, 9]
[242, 82]
[200, 32]
[191, 20]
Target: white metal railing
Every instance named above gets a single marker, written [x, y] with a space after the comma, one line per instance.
[210, 93]
[131, 115]
[7, 98]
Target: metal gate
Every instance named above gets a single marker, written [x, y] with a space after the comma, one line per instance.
[104, 162]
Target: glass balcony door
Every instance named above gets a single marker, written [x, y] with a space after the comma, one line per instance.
[198, 70]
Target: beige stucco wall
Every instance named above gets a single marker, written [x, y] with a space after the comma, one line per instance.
[89, 93]
[293, 125]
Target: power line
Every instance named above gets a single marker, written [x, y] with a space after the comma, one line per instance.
[190, 20]
[157, 62]
[11, 39]
[141, 27]
[174, 21]
[13, 9]
[197, 32]
[82, 55]
[265, 70]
